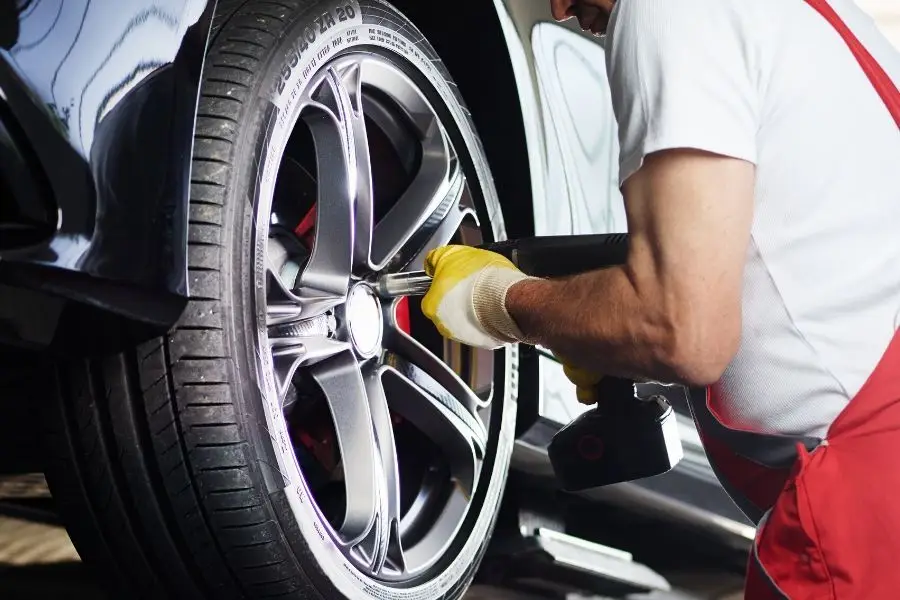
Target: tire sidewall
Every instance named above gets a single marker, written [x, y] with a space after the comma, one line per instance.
[325, 30]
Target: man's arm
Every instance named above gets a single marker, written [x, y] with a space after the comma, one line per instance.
[685, 82]
[672, 313]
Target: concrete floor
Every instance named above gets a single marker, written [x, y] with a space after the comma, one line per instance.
[38, 560]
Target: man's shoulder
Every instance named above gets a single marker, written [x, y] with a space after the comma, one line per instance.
[655, 18]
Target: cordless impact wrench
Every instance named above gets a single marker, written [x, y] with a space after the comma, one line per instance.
[626, 436]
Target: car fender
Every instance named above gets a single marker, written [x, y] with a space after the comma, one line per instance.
[100, 103]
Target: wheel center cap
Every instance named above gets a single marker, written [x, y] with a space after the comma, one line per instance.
[364, 322]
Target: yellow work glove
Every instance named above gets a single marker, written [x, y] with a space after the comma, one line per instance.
[585, 383]
[467, 299]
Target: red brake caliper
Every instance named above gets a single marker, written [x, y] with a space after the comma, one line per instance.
[306, 229]
[402, 314]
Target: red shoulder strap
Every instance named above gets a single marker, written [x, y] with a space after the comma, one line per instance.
[883, 84]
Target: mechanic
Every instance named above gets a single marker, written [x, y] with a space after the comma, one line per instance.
[760, 169]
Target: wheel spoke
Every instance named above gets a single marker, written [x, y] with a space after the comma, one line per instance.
[342, 383]
[439, 227]
[300, 343]
[344, 181]
[435, 186]
[283, 309]
[384, 541]
[460, 436]
[349, 76]
[282, 305]
[433, 191]
[403, 347]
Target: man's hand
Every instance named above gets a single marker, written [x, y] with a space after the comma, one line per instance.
[460, 275]
[467, 299]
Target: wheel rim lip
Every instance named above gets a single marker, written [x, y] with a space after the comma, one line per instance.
[265, 366]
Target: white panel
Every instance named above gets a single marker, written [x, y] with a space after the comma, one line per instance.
[582, 143]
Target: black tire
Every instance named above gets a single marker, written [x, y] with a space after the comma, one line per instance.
[161, 459]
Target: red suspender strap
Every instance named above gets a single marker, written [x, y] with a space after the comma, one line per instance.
[883, 84]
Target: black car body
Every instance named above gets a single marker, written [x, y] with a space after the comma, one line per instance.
[97, 109]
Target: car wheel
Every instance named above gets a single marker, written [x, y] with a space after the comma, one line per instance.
[296, 435]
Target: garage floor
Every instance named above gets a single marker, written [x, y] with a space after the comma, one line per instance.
[37, 560]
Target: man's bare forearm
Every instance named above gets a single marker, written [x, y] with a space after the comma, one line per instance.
[597, 321]
[672, 312]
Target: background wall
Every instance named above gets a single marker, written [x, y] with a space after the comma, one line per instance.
[887, 16]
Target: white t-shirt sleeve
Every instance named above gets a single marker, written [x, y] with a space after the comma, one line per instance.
[682, 75]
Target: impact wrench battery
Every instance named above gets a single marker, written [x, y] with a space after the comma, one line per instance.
[625, 436]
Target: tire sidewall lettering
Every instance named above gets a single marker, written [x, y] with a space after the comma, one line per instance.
[309, 38]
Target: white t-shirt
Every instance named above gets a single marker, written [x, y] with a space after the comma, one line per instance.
[771, 82]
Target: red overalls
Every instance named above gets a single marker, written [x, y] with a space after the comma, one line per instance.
[827, 511]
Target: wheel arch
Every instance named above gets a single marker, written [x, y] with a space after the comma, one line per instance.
[106, 124]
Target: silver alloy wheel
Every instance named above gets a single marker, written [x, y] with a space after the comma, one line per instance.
[321, 321]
